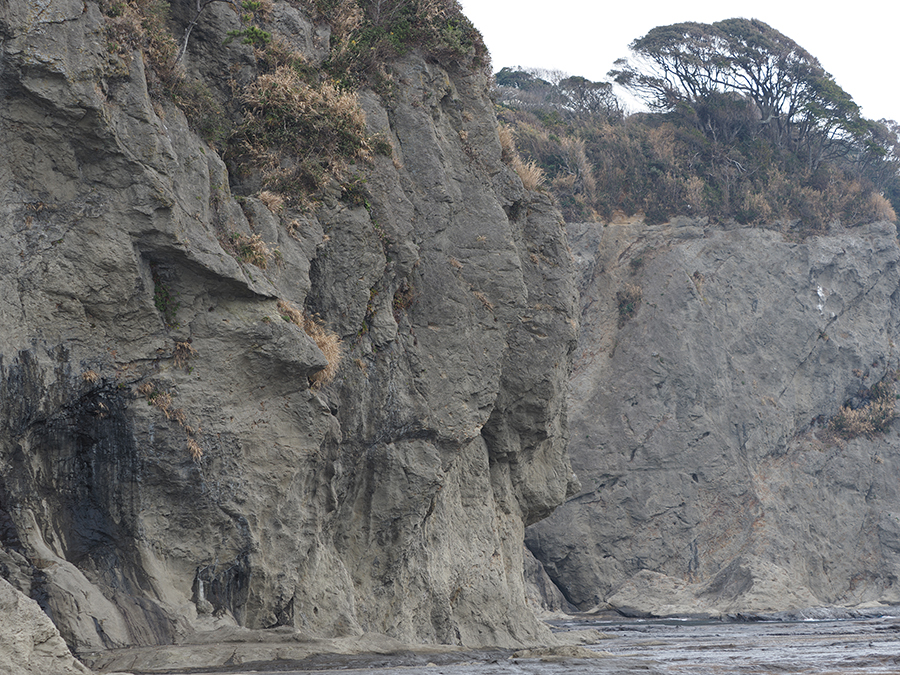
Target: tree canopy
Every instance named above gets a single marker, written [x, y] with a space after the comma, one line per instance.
[556, 91]
[767, 76]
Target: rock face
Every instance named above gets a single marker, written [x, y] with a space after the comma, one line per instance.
[165, 466]
[709, 363]
[29, 642]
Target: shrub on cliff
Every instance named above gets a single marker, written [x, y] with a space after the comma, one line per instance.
[663, 165]
[318, 127]
[141, 25]
[873, 416]
[368, 33]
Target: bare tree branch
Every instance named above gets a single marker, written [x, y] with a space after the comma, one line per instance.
[201, 5]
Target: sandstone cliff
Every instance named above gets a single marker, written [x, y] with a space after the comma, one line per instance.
[165, 464]
[709, 365]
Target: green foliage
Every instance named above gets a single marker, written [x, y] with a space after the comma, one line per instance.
[554, 96]
[164, 299]
[775, 85]
[366, 34]
[251, 35]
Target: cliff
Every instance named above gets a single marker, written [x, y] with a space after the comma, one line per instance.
[731, 403]
[171, 458]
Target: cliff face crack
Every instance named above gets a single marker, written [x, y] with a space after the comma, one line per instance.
[822, 335]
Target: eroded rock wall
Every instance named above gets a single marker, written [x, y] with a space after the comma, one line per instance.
[132, 340]
[700, 413]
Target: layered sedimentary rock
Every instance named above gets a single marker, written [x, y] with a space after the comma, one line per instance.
[165, 465]
[710, 363]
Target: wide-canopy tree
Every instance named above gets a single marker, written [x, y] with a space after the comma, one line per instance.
[738, 67]
[555, 90]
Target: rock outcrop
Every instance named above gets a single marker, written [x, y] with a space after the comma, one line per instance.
[165, 465]
[709, 364]
[29, 642]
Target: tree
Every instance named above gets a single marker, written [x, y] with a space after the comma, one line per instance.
[580, 95]
[525, 80]
[553, 90]
[798, 104]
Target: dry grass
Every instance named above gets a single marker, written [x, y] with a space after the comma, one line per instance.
[162, 401]
[872, 418]
[507, 143]
[320, 127]
[182, 354]
[328, 342]
[880, 208]
[273, 201]
[251, 249]
[195, 449]
[875, 416]
[532, 175]
[90, 376]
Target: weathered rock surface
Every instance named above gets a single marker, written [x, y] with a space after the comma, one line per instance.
[393, 500]
[29, 642]
[699, 421]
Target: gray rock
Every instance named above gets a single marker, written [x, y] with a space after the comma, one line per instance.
[699, 422]
[29, 642]
[166, 467]
[540, 591]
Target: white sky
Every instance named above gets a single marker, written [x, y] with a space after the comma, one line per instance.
[858, 42]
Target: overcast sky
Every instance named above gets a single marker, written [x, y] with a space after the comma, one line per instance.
[857, 42]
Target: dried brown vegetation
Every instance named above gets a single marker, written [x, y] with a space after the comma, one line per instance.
[250, 249]
[162, 400]
[628, 299]
[299, 133]
[328, 342]
[273, 201]
[873, 416]
[531, 174]
[660, 165]
[182, 354]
